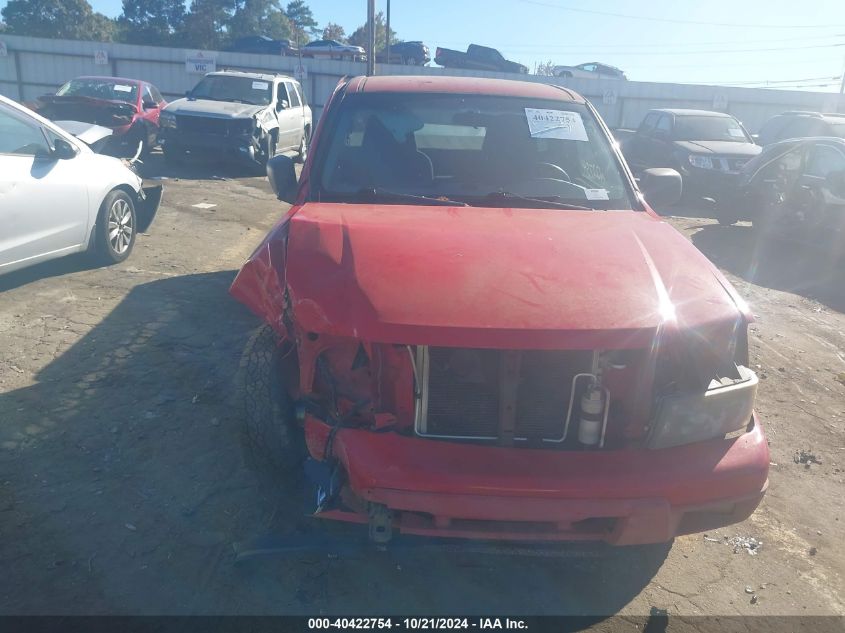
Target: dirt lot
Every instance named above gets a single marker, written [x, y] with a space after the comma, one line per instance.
[123, 483]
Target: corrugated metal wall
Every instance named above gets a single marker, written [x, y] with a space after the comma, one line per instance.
[34, 66]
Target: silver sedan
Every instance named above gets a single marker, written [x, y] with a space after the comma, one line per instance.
[58, 197]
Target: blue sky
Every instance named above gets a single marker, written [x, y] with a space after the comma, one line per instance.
[717, 41]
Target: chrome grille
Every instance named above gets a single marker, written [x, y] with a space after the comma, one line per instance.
[211, 125]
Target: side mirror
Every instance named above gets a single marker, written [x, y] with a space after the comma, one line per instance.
[62, 150]
[282, 105]
[150, 105]
[281, 172]
[835, 183]
[661, 186]
[188, 94]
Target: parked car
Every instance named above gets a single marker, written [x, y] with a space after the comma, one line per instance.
[59, 197]
[466, 344]
[592, 70]
[242, 114]
[129, 107]
[795, 189]
[705, 147]
[409, 53]
[263, 45]
[333, 50]
[801, 125]
[477, 58]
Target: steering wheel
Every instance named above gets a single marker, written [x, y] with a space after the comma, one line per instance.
[558, 171]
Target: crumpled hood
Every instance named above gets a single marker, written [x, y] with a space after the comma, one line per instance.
[58, 101]
[485, 277]
[207, 107]
[721, 148]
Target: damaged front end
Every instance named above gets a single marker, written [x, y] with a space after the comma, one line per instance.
[447, 407]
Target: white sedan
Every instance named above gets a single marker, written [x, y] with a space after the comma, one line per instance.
[58, 197]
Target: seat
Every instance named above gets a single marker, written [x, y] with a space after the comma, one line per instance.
[386, 162]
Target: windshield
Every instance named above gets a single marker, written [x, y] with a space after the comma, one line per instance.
[236, 89]
[469, 147]
[709, 128]
[100, 89]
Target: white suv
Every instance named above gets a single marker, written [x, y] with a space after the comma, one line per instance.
[251, 115]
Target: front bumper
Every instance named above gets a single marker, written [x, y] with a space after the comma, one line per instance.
[242, 145]
[623, 497]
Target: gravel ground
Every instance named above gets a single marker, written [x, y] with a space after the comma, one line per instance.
[123, 483]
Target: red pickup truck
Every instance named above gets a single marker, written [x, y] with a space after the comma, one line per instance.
[481, 329]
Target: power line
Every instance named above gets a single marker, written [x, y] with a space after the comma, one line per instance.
[756, 82]
[673, 21]
[717, 52]
[623, 48]
[710, 64]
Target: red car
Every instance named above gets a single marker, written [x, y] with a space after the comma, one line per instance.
[481, 329]
[129, 107]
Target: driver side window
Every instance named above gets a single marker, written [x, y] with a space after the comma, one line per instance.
[823, 160]
[664, 126]
[282, 95]
[21, 137]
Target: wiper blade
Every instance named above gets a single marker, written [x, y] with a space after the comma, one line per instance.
[378, 192]
[552, 200]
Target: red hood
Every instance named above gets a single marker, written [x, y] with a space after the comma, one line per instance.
[486, 277]
[93, 102]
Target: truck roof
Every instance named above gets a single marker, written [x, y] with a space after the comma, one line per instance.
[462, 85]
[251, 75]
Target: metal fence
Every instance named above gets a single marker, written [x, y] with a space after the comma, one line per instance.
[30, 67]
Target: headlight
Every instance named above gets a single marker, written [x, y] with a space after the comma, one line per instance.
[702, 162]
[167, 119]
[723, 408]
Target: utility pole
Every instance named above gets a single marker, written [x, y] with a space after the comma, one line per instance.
[371, 37]
[387, 43]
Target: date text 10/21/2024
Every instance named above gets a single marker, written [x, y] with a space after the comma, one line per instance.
[418, 623]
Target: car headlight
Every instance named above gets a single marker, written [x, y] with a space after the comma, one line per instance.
[702, 162]
[725, 407]
[167, 119]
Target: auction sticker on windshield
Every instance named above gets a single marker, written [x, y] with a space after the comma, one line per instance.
[260, 85]
[559, 124]
[122, 88]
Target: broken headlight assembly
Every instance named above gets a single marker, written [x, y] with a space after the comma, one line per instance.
[167, 119]
[723, 408]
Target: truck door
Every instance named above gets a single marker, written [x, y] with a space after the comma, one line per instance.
[636, 148]
[288, 117]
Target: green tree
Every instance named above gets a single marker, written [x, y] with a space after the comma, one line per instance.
[259, 17]
[545, 68]
[359, 35]
[302, 22]
[334, 32]
[62, 19]
[151, 21]
[206, 22]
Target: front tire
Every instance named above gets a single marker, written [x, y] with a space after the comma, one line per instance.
[302, 152]
[116, 228]
[274, 438]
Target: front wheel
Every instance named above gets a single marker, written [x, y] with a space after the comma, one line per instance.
[274, 438]
[302, 152]
[116, 225]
